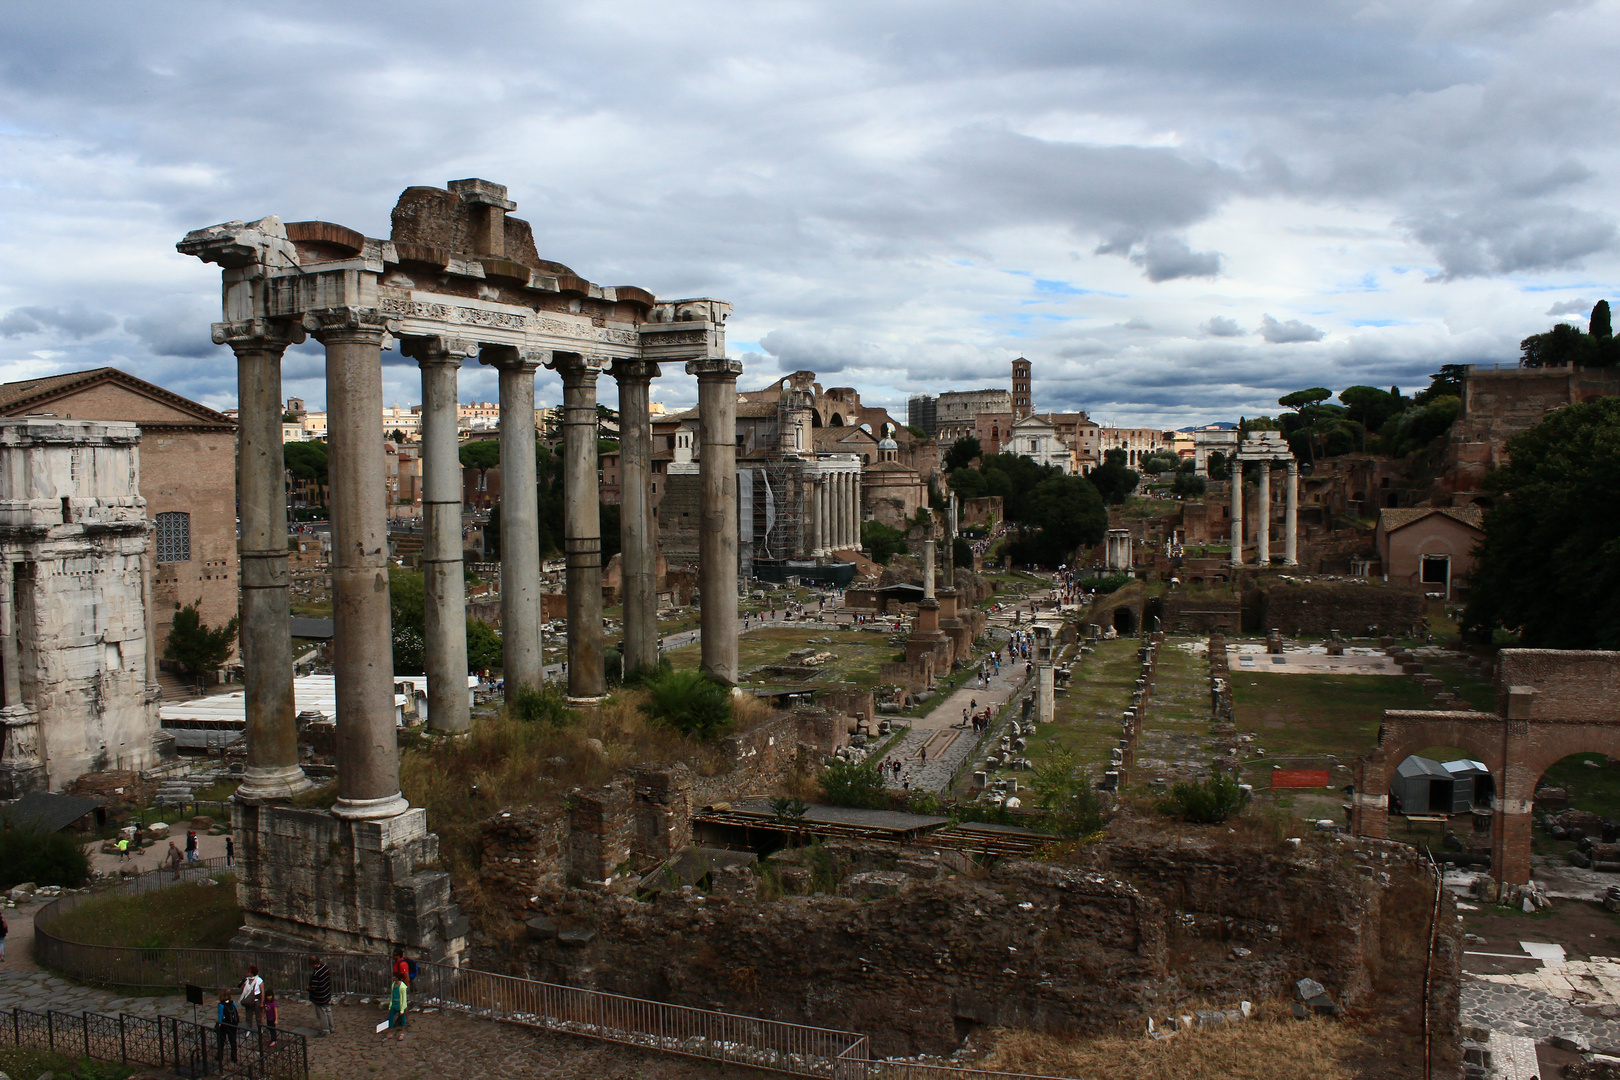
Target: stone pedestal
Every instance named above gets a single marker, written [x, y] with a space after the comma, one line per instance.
[311, 881]
[1045, 694]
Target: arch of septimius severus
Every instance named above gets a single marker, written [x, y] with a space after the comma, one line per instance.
[457, 279]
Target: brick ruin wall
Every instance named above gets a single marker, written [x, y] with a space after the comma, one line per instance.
[1317, 607]
[1500, 403]
[915, 955]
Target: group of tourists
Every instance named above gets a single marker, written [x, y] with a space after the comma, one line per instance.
[252, 1006]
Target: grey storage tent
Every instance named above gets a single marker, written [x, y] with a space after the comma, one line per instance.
[1421, 786]
[1471, 785]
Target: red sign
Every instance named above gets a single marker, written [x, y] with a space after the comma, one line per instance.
[1299, 778]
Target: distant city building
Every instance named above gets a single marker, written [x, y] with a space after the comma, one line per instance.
[1020, 388]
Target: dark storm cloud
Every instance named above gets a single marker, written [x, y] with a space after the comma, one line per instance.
[1165, 258]
[77, 321]
[1221, 326]
[1571, 307]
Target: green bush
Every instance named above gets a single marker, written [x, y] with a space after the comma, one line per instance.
[848, 784]
[690, 701]
[883, 542]
[538, 704]
[1208, 803]
[29, 853]
[1067, 795]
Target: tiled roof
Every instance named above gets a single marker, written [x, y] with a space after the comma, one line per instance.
[18, 396]
[1390, 519]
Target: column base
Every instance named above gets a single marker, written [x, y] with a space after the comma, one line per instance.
[584, 702]
[371, 809]
[266, 784]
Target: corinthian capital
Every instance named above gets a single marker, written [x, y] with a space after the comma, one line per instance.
[326, 323]
[438, 349]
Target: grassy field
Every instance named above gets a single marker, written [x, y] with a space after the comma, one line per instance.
[857, 655]
[1087, 718]
[1312, 716]
[190, 915]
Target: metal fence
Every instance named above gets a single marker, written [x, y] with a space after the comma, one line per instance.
[756, 1042]
[163, 1042]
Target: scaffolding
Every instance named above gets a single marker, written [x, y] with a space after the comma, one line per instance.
[779, 512]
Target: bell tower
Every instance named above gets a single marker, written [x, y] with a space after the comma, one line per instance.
[1020, 388]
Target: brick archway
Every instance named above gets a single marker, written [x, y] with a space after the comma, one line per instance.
[1550, 704]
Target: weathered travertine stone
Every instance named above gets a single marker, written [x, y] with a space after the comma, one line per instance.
[362, 646]
[445, 590]
[717, 543]
[520, 518]
[72, 539]
[636, 520]
[582, 526]
[266, 642]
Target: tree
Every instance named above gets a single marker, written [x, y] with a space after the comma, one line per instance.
[1447, 382]
[1301, 400]
[1190, 485]
[962, 553]
[407, 612]
[1112, 479]
[962, 453]
[1600, 326]
[484, 648]
[1160, 461]
[882, 541]
[1370, 407]
[306, 461]
[482, 455]
[1218, 465]
[1549, 564]
[194, 646]
[398, 436]
[690, 701]
[1565, 345]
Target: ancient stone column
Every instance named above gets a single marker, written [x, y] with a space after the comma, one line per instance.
[266, 640]
[1291, 516]
[818, 515]
[636, 521]
[582, 527]
[1237, 512]
[1262, 530]
[520, 518]
[851, 512]
[10, 654]
[928, 569]
[717, 538]
[445, 589]
[362, 644]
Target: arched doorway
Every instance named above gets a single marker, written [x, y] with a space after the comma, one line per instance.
[1125, 621]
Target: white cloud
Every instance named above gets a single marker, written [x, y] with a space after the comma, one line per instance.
[1280, 333]
[903, 205]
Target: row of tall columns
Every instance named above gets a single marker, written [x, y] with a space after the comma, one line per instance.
[835, 512]
[362, 653]
[1262, 531]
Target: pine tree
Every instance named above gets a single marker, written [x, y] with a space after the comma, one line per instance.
[196, 648]
[1599, 326]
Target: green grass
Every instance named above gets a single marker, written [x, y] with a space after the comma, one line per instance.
[21, 1062]
[189, 915]
[857, 655]
[1597, 790]
[1316, 715]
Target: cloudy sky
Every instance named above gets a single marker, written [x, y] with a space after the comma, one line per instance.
[1177, 211]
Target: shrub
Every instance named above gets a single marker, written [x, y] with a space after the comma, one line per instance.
[1208, 803]
[538, 704]
[29, 853]
[1067, 795]
[690, 701]
[848, 784]
[883, 542]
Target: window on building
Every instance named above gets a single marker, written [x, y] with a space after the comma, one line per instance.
[1436, 569]
[174, 537]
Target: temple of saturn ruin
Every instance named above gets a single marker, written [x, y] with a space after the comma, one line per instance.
[458, 278]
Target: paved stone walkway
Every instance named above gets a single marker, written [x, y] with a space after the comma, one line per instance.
[1535, 1014]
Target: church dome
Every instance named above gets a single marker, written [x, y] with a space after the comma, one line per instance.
[888, 444]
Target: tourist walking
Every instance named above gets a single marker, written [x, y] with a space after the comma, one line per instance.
[191, 845]
[225, 1024]
[4, 930]
[123, 848]
[173, 858]
[252, 998]
[230, 850]
[270, 1014]
[398, 998]
[320, 995]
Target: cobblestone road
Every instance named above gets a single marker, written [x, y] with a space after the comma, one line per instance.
[1536, 1014]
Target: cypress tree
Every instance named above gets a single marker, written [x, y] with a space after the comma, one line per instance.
[1600, 327]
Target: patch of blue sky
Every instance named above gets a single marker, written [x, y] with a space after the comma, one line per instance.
[1566, 288]
[1063, 288]
[1375, 322]
[1367, 283]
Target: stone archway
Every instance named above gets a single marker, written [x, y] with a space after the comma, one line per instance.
[1125, 620]
[1550, 704]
